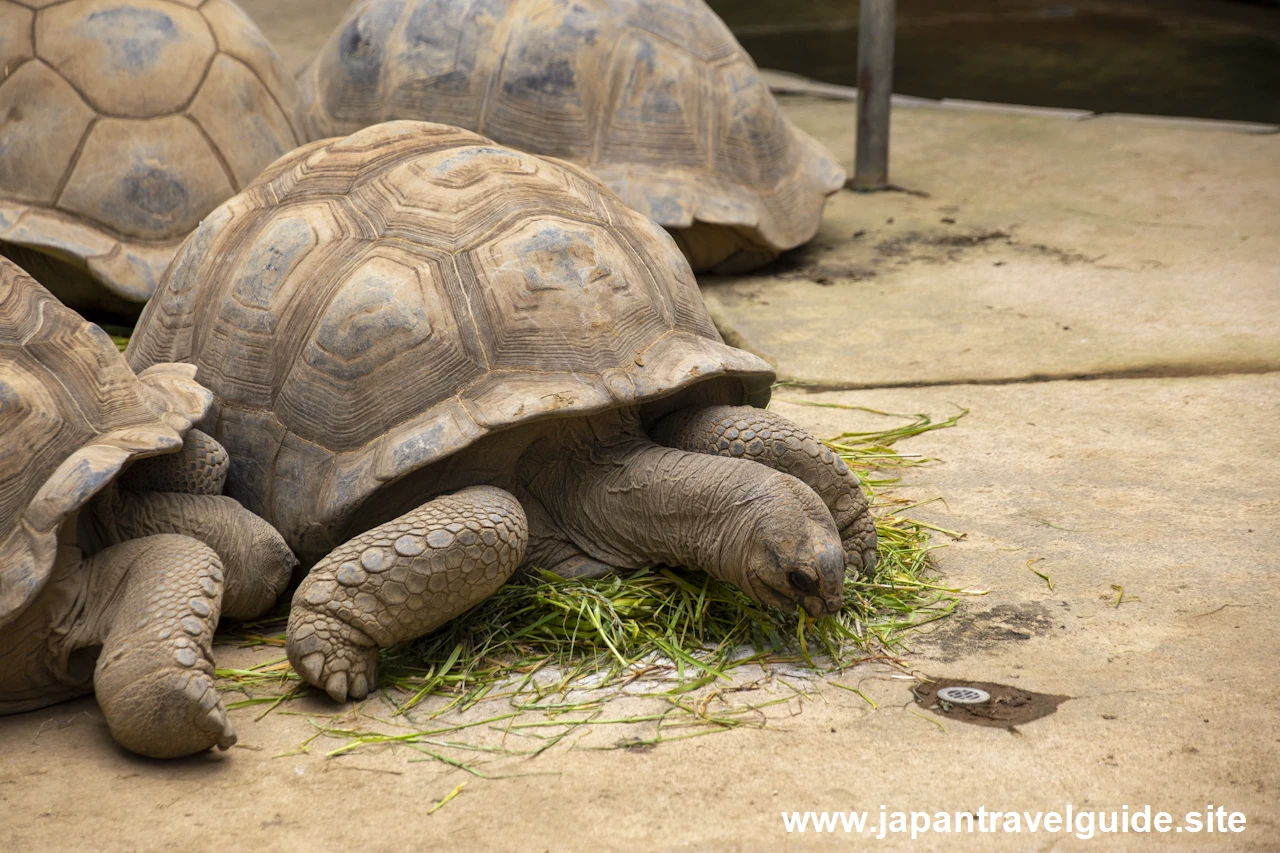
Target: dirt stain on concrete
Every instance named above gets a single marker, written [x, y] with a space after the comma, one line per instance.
[810, 263]
[933, 248]
[980, 631]
[817, 263]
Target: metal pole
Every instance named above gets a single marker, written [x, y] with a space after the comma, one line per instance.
[875, 85]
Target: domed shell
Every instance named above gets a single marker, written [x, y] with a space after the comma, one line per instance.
[122, 124]
[72, 416]
[655, 97]
[372, 305]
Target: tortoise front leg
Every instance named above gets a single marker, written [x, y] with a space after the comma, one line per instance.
[746, 432]
[199, 468]
[399, 581]
[152, 605]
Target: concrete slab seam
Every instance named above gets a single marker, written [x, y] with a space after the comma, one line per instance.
[787, 83]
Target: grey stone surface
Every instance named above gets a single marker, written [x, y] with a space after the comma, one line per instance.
[1043, 248]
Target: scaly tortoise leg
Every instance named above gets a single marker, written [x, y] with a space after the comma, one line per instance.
[399, 581]
[257, 562]
[199, 468]
[152, 605]
[746, 432]
[179, 493]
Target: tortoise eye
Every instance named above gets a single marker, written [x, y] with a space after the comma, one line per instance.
[802, 581]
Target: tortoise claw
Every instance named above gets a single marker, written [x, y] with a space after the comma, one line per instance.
[311, 667]
[216, 721]
[336, 687]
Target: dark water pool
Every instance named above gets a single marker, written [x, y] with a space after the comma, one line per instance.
[1205, 58]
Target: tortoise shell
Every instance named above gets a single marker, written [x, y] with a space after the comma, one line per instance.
[374, 304]
[655, 97]
[122, 123]
[72, 417]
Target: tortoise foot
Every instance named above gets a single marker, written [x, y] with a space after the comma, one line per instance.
[169, 714]
[154, 676]
[400, 581]
[330, 654]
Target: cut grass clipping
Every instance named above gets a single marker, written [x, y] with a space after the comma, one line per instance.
[581, 640]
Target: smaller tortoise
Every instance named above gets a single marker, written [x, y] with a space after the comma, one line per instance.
[122, 123]
[115, 591]
[435, 360]
[654, 97]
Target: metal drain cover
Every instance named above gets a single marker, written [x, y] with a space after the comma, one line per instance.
[964, 695]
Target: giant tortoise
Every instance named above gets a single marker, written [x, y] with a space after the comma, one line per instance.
[435, 359]
[122, 123]
[113, 544]
[655, 97]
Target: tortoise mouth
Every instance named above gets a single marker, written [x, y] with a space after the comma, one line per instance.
[811, 576]
[815, 605]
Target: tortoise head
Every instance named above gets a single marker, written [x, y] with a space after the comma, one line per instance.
[796, 561]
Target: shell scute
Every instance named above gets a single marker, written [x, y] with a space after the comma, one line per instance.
[259, 132]
[392, 313]
[15, 35]
[563, 293]
[150, 179]
[136, 59]
[44, 120]
[252, 439]
[238, 36]
[659, 106]
[683, 22]
[377, 313]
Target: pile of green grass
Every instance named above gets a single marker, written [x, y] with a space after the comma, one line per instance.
[547, 636]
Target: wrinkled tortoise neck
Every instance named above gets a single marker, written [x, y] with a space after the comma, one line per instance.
[631, 503]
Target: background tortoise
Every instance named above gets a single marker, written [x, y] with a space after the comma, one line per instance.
[413, 311]
[655, 97]
[122, 123]
[106, 590]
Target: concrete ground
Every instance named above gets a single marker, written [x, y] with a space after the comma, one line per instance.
[1105, 304]
[1037, 247]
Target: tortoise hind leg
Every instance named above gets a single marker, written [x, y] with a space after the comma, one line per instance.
[152, 604]
[399, 581]
[770, 439]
